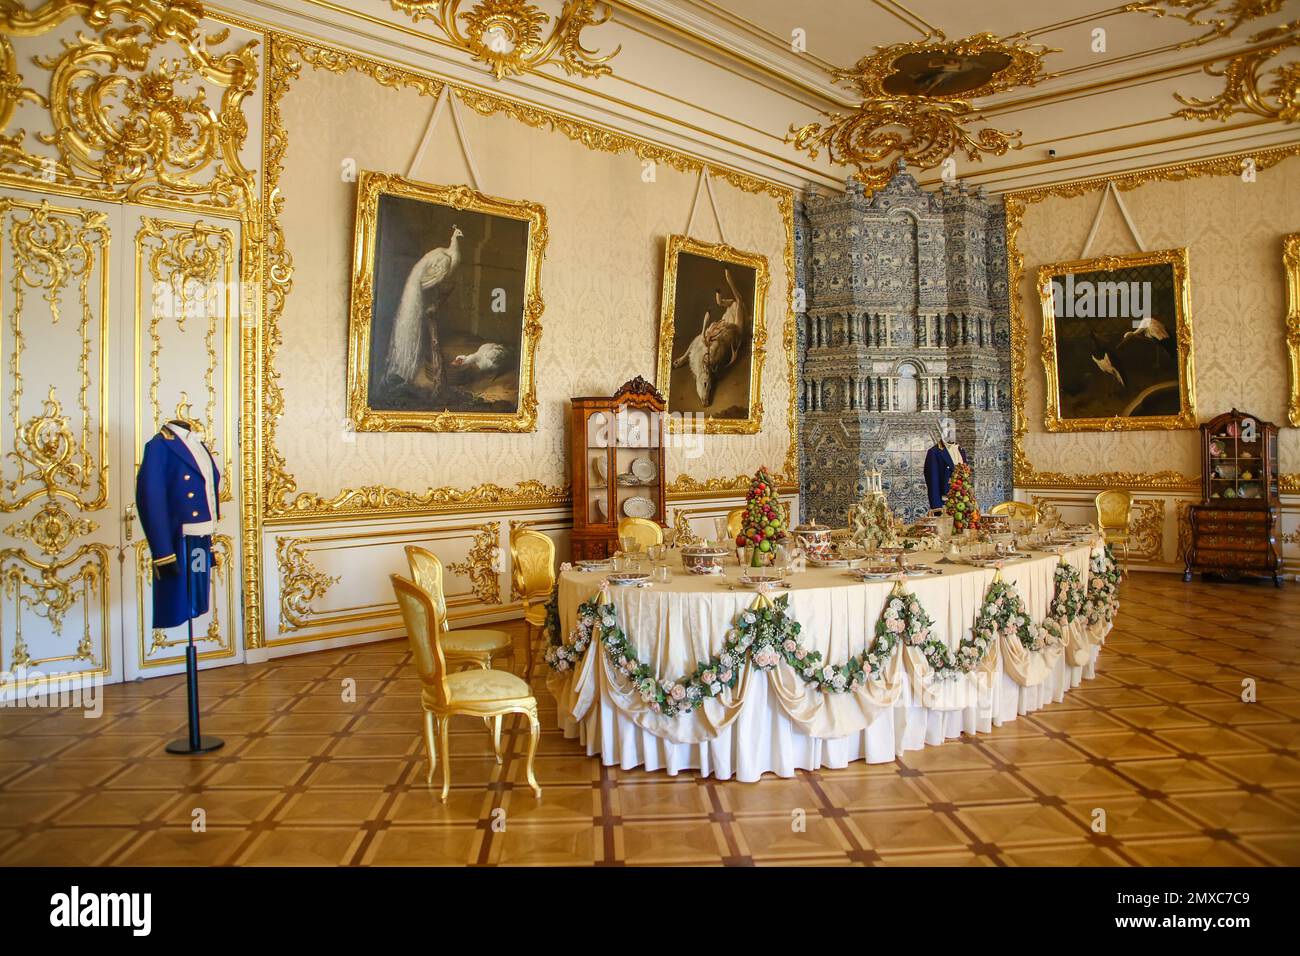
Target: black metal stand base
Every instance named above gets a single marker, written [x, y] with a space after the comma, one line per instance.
[195, 743]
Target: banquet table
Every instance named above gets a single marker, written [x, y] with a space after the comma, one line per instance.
[773, 721]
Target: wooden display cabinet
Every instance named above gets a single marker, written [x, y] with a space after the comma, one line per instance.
[1234, 528]
[617, 461]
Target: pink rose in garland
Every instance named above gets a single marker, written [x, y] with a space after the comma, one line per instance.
[764, 521]
[960, 500]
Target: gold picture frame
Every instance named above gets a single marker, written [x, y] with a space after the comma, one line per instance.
[366, 411]
[1291, 262]
[1117, 374]
[691, 413]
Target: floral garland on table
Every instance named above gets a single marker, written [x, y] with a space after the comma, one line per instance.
[774, 636]
[564, 653]
[1103, 587]
[1069, 600]
[1002, 612]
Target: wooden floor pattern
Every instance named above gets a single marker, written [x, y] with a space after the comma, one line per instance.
[1184, 770]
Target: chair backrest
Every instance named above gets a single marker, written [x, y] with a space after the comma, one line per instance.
[1113, 508]
[1016, 509]
[644, 530]
[423, 632]
[426, 572]
[735, 522]
[532, 564]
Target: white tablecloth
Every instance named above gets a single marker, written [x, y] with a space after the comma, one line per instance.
[675, 625]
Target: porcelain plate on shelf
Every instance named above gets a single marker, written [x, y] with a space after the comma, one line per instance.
[644, 469]
[639, 507]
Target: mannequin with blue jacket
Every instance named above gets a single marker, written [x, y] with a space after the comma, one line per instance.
[940, 461]
[177, 493]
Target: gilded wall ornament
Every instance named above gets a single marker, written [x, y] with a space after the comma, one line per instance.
[1291, 262]
[1219, 17]
[480, 564]
[131, 118]
[301, 583]
[52, 528]
[509, 37]
[917, 104]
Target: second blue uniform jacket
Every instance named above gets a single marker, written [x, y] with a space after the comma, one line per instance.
[939, 467]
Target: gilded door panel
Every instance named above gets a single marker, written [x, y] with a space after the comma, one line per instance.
[182, 320]
[58, 527]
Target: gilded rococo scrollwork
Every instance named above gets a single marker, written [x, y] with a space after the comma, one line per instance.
[1025, 474]
[301, 583]
[1262, 80]
[480, 564]
[127, 119]
[507, 35]
[282, 499]
[910, 122]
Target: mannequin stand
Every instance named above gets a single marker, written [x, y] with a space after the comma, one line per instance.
[196, 743]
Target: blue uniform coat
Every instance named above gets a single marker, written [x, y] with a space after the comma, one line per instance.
[939, 467]
[170, 493]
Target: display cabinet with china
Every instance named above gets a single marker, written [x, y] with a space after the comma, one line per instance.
[617, 463]
[1234, 528]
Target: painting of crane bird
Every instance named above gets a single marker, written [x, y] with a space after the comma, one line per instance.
[1117, 342]
[446, 308]
[712, 336]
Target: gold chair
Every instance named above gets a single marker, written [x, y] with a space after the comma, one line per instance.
[1017, 509]
[735, 522]
[1113, 508]
[476, 646]
[475, 693]
[532, 566]
[645, 531]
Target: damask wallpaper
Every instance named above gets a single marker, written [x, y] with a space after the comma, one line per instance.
[1233, 232]
[608, 216]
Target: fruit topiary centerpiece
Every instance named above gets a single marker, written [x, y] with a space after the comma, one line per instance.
[960, 500]
[764, 523]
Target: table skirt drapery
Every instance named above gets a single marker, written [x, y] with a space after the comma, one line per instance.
[775, 722]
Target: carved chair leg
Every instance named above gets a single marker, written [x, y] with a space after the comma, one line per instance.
[535, 730]
[528, 664]
[443, 725]
[496, 736]
[430, 733]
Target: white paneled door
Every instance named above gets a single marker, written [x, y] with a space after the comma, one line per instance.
[112, 318]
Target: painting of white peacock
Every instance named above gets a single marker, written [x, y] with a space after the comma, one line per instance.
[446, 308]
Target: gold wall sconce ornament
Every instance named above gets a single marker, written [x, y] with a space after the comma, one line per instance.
[917, 104]
[507, 35]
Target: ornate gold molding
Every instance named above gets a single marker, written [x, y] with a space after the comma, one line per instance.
[920, 128]
[506, 35]
[362, 415]
[301, 582]
[480, 565]
[129, 120]
[1147, 530]
[1291, 262]
[52, 528]
[1025, 475]
[283, 501]
[722, 252]
[1186, 417]
[1220, 17]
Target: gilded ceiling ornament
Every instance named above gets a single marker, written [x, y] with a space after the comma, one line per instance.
[301, 582]
[917, 104]
[130, 117]
[1219, 17]
[508, 35]
[480, 564]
